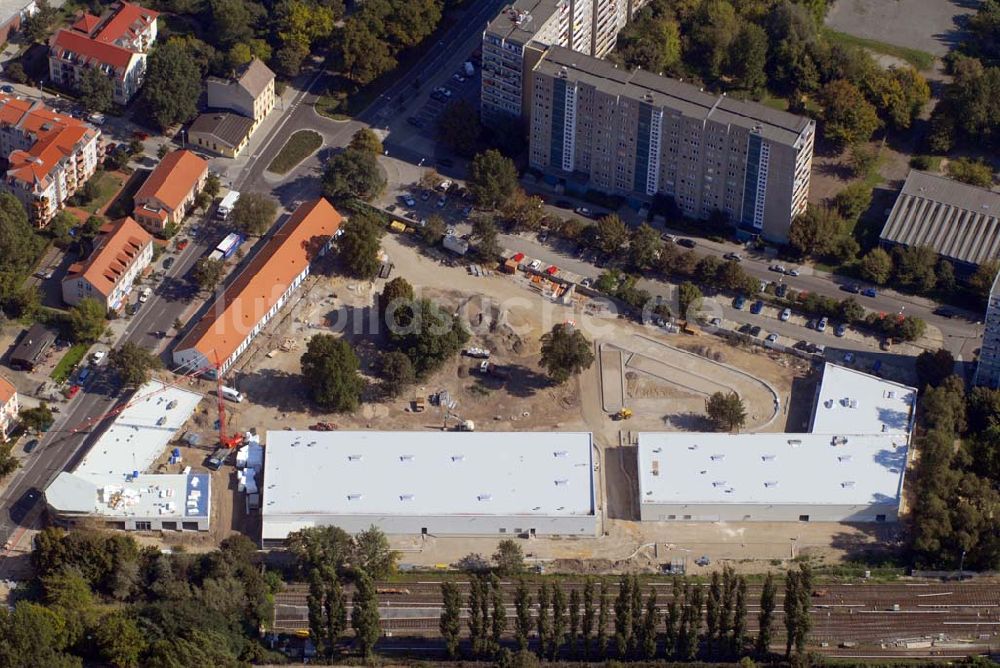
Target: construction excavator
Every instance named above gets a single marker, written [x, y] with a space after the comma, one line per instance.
[622, 414]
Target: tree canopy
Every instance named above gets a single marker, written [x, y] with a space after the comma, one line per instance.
[254, 213]
[359, 245]
[172, 84]
[492, 178]
[330, 369]
[87, 320]
[96, 90]
[353, 173]
[565, 352]
[726, 411]
[133, 364]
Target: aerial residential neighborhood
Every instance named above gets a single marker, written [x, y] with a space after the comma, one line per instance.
[559, 332]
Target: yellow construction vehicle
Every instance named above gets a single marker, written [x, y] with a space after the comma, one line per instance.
[623, 414]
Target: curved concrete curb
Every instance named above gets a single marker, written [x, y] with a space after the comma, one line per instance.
[730, 367]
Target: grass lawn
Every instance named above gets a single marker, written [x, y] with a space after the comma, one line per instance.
[779, 103]
[108, 184]
[65, 366]
[299, 146]
[919, 59]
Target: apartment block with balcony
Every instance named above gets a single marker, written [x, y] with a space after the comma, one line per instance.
[168, 194]
[516, 38]
[988, 367]
[50, 155]
[115, 43]
[121, 253]
[638, 134]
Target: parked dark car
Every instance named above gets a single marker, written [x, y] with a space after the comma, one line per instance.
[853, 288]
[564, 204]
[23, 506]
[167, 263]
[781, 290]
[415, 122]
[687, 243]
[30, 445]
[757, 307]
[869, 292]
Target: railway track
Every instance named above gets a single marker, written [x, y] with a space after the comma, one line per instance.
[883, 620]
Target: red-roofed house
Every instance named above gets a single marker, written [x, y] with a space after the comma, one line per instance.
[9, 407]
[169, 192]
[121, 253]
[117, 43]
[50, 155]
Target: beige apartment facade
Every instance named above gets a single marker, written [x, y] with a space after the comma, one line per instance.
[641, 135]
[249, 93]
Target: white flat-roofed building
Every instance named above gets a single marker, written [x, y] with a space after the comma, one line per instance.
[850, 467]
[713, 477]
[861, 404]
[444, 483]
[112, 483]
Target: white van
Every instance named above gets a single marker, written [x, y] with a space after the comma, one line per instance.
[232, 394]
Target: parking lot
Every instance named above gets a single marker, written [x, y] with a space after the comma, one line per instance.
[459, 86]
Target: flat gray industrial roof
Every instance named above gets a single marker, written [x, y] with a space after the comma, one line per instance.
[520, 21]
[166, 495]
[816, 469]
[959, 221]
[427, 473]
[688, 99]
[854, 402]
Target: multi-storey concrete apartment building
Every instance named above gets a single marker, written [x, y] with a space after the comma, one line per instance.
[116, 44]
[49, 155]
[121, 253]
[988, 368]
[639, 134]
[517, 37]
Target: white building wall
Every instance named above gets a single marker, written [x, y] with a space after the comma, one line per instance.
[655, 512]
[277, 528]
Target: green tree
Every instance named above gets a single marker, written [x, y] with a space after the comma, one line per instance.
[650, 622]
[914, 267]
[253, 213]
[644, 247]
[396, 371]
[673, 618]
[876, 266]
[713, 607]
[508, 559]
[612, 234]
[459, 129]
[498, 618]
[492, 179]
[38, 419]
[476, 621]
[365, 615]
[524, 213]
[688, 295]
[848, 117]
[330, 370]
[853, 200]
[740, 617]
[934, 367]
[623, 617]
[15, 72]
[589, 617]
[133, 364]
[982, 278]
[451, 614]
[212, 185]
[712, 33]
[288, 59]
[542, 621]
[726, 411]
[38, 26]
[558, 636]
[119, 640]
[371, 553]
[359, 245]
[314, 607]
[8, 462]
[87, 320]
[233, 21]
[95, 89]
[601, 639]
[565, 352]
[434, 336]
[364, 54]
[366, 141]
[395, 303]
[34, 637]
[522, 614]
[574, 621]
[353, 173]
[486, 236]
[433, 232]
[172, 85]
[320, 547]
[208, 272]
[650, 42]
[748, 57]
[974, 172]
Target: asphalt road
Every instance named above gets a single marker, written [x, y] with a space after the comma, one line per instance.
[61, 448]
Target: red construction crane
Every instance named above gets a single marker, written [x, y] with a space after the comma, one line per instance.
[91, 421]
[225, 441]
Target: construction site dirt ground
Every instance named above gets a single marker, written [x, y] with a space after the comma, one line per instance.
[508, 315]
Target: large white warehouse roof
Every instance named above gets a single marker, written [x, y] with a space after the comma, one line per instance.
[807, 469]
[427, 473]
[859, 403]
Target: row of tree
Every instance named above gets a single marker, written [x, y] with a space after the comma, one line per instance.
[588, 625]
